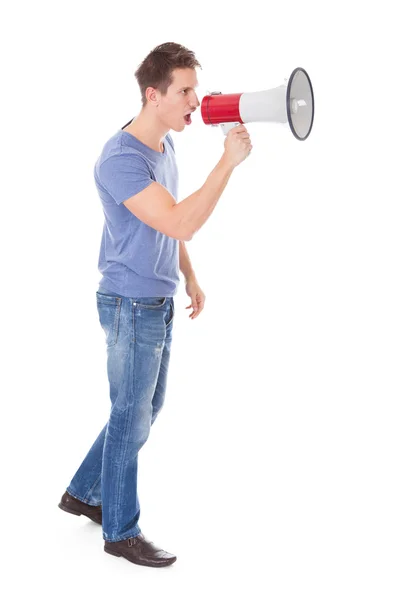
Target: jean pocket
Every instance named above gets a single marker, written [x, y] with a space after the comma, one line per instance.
[151, 302]
[171, 313]
[109, 308]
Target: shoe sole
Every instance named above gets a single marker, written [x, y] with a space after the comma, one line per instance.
[69, 510]
[138, 562]
[75, 512]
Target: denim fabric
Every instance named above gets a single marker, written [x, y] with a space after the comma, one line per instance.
[138, 335]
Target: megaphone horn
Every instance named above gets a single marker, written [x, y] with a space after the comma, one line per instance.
[291, 104]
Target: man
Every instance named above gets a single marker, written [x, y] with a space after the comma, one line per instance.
[142, 250]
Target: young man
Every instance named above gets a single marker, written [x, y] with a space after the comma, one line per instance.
[142, 250]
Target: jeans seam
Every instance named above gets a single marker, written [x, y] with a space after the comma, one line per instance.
[116, 321]
[91, 488]
[125, 446]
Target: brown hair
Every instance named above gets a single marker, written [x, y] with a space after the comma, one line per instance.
[156, 69]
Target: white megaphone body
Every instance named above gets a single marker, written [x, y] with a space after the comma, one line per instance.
[291, 104]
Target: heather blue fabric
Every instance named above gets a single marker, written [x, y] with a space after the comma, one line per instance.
[135, 259]
[138, 335]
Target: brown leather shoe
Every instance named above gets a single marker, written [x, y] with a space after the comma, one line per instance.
[140, 551]
[76, 507]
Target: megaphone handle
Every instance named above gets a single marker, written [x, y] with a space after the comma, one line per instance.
[226, 127]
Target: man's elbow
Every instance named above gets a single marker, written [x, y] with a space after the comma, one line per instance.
[176, 233]
[183, 232]
[180, 235]
[187, 237]
[179, 225]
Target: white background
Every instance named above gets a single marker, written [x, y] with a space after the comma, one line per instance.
[273, 469]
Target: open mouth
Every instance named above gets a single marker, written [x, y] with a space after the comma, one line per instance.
[188, 119]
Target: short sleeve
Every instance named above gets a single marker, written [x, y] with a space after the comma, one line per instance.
[124, 175]
[171, 141]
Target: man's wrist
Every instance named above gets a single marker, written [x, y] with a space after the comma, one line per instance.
[190, 277]
[226, 163]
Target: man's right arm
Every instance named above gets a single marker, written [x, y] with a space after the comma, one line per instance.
[156, 207]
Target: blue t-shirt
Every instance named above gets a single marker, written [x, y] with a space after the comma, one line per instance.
[135, 260]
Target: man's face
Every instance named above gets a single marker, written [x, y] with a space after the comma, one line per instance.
[181, 99]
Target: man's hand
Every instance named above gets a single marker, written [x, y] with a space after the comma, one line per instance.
[196, 295]
[237, 145]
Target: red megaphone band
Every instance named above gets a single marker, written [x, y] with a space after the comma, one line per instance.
[220, 108]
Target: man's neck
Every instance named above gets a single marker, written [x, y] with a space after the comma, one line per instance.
[148, 131]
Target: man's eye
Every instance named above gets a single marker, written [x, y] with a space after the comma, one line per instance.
[184, 91]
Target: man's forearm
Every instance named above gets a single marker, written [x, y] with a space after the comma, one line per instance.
[193, 211]
[184, 262]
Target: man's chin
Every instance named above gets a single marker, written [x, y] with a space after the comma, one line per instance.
[179, 128]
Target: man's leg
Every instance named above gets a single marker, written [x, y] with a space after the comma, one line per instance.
[159, 394]
[134, 361]
[86, 483]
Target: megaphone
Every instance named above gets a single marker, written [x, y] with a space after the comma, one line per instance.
[291, 104]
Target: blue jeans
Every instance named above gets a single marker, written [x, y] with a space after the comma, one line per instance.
[138, 334]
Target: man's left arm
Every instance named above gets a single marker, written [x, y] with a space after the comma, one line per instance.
[184, 262]
[191, 285]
